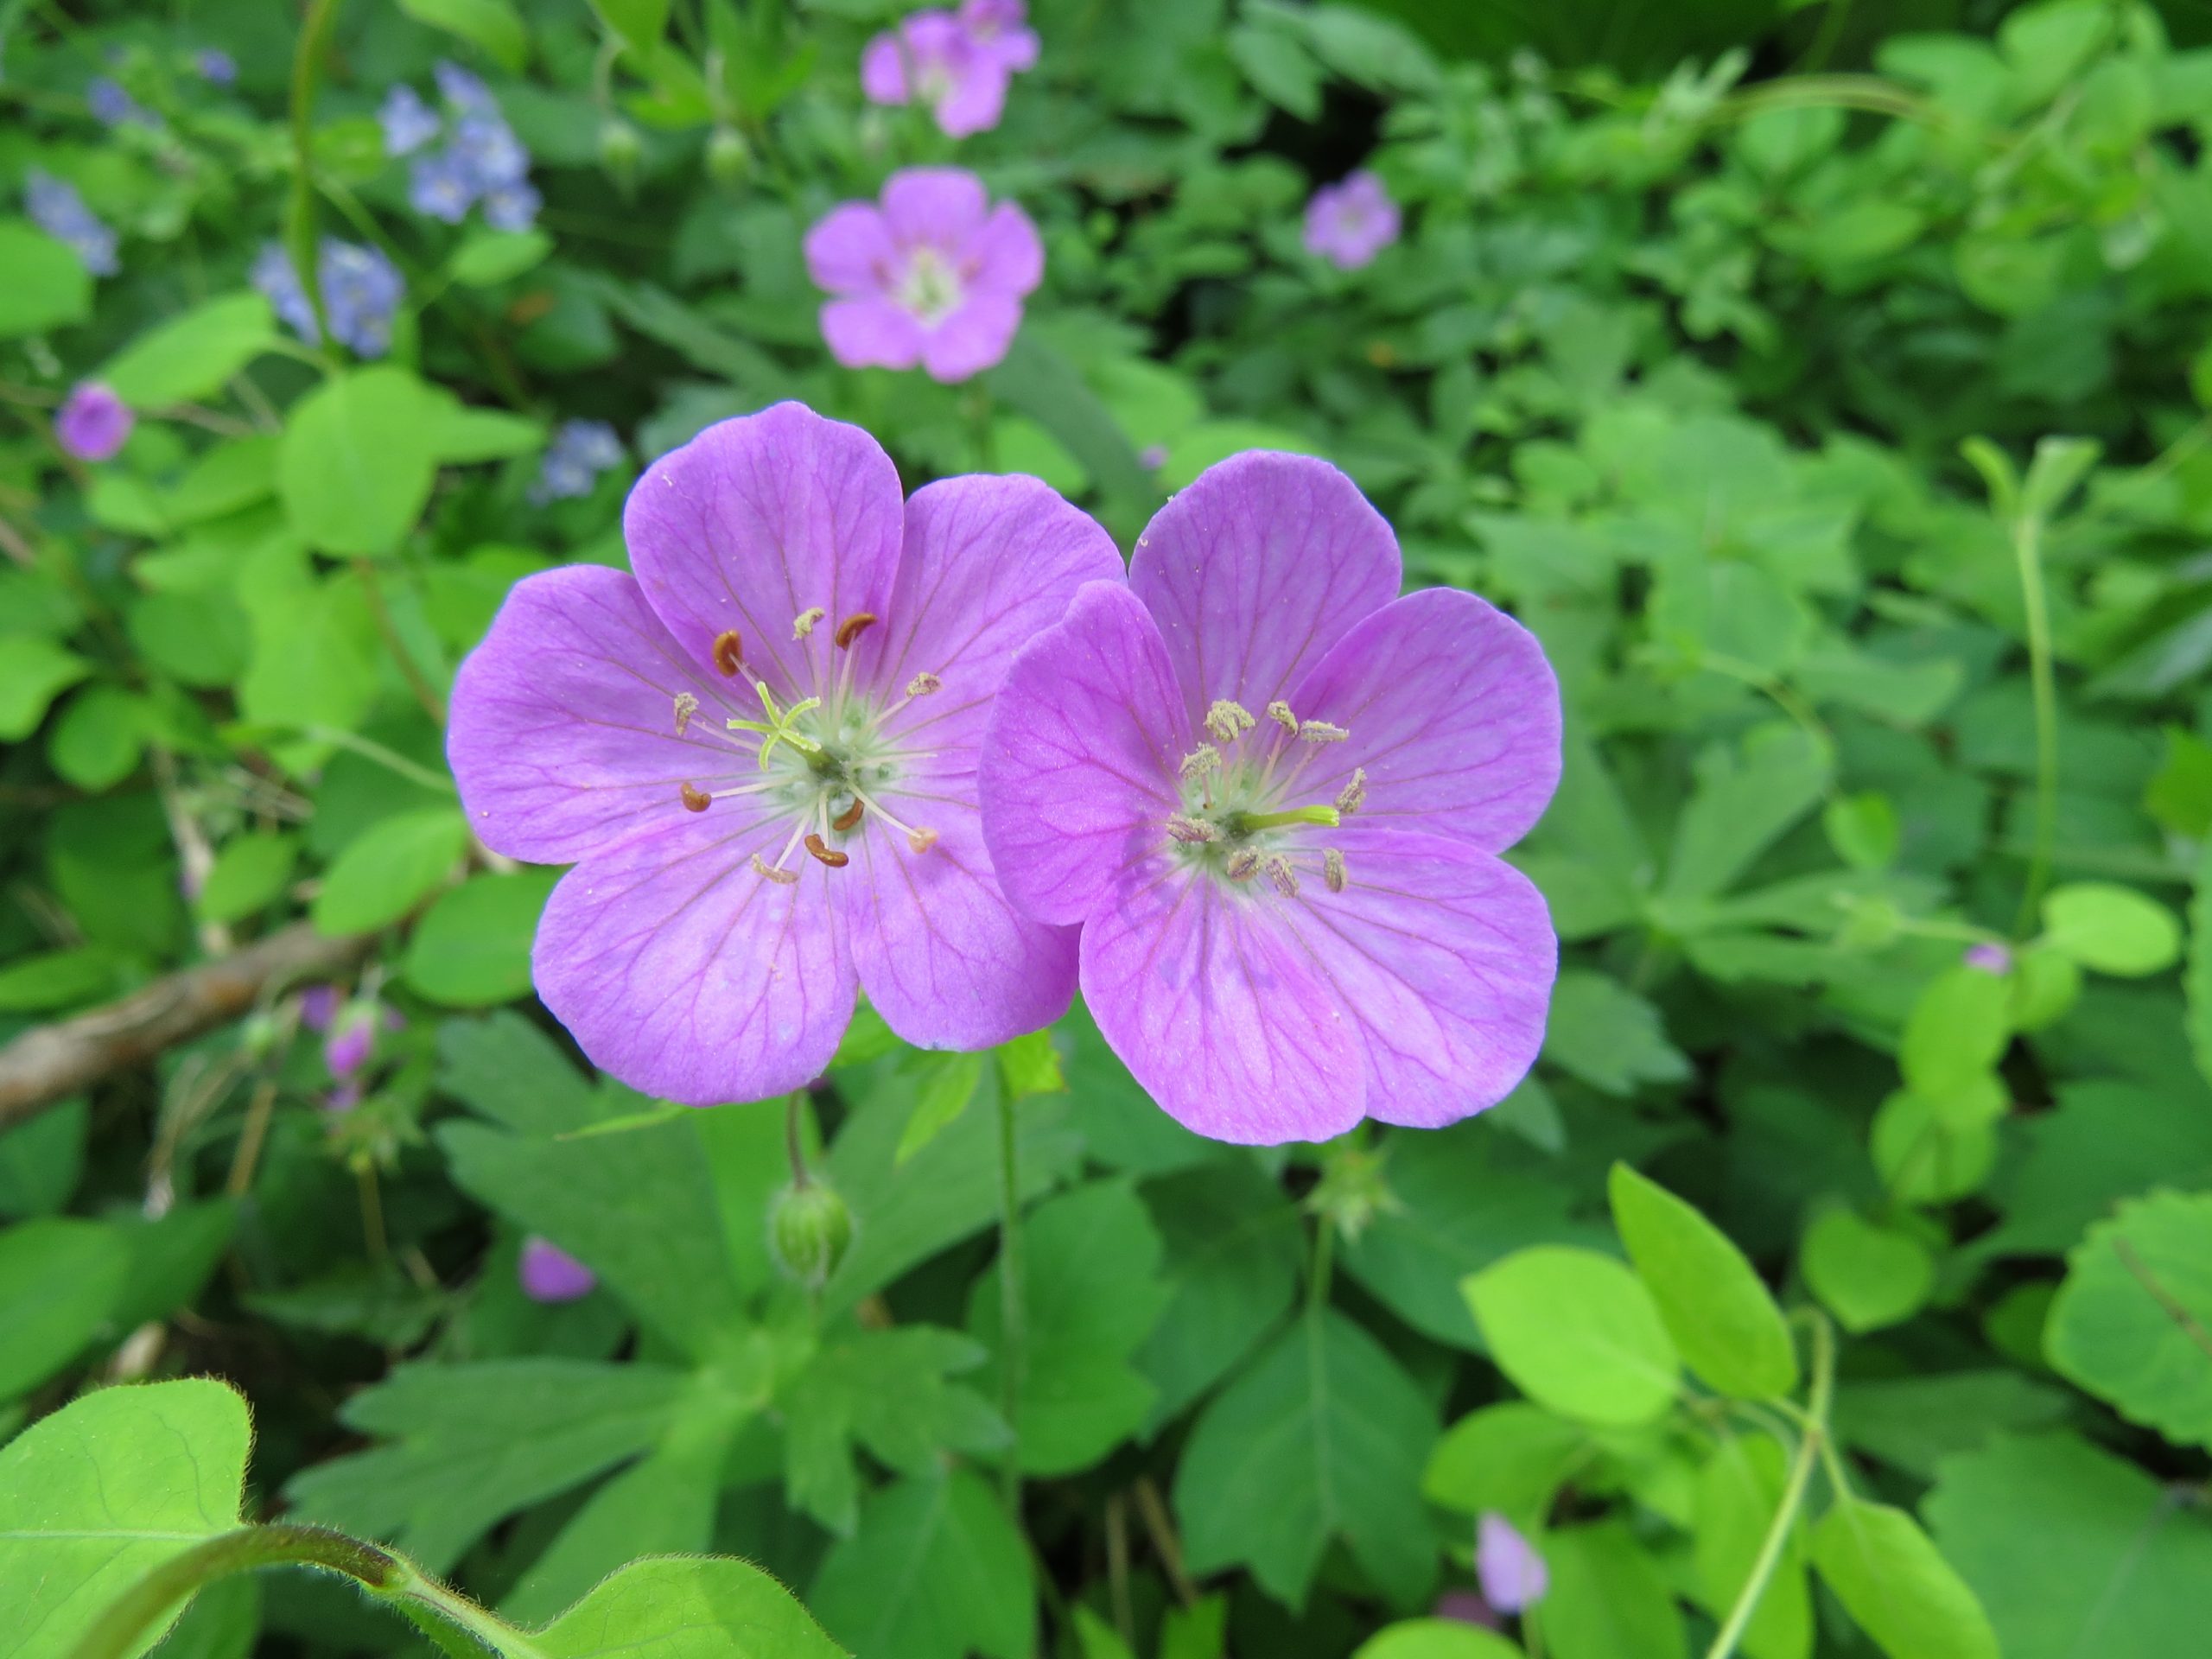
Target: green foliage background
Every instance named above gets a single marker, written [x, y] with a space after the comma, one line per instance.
[1829, 396]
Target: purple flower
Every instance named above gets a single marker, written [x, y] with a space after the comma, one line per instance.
[350, 1035]
[1153, 457]
[56, 208]
[342, 1099]
[1349, 222]
[1000, 29]
[319, 1005]
[1275, 793]
[935, 276]
[93, 421]
[361, 290]
[549, 1274]
[933, 58]
[1513, 1575]
[113, 107]
[760, 752]
[440, 186]
[1991, 957]
[215, 67]
[409, 123]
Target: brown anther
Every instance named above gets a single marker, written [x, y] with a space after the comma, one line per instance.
[1279, 712]
[849, 816]
[1332, 868]
[921, 840]
[1229, 720]
[695, 800]
[777, 873]
[803, 623]
[1321, 731]
[729, 651]
[1190, 829]
[1243, 864]
[828, 854]
[853, 626]
[1353, 794]
[1279, 873]
[922, 685]
[686, 706]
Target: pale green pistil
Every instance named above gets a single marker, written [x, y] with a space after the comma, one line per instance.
[1237, 825]
[930, 289]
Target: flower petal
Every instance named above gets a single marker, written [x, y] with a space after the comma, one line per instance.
[1005, 257]
[1216, 1012]
[972, 339]
[1454, 715]
[1440, 958]
[758, 519]
[1079, 759]
[871, 334]
[940, 205]
[975, 95]
[883, 69]
[943, 957]
[686, 974]
[850, 250]
[1256, 569]
[564, 734]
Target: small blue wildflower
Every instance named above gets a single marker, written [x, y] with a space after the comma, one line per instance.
[440, 186]
[488, 148]
[215, 67]
[56, 208]
[512, 207]
[113, 107]
[464, 91]
[361, 290]
[409, 123]
[579, 452]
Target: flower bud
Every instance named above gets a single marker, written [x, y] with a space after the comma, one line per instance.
[620, 149]
[729, 158]
[809, 1231]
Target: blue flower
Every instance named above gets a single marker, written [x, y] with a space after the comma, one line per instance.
[361, 292]
[441, 186]
[488, 148]
[56, 208]
[215, 67]
[113, 107]
[409, 123]
[464, 91]
[579, 452]
[512, 207]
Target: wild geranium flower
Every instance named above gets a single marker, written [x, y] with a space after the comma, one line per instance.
[934, 275]
[93, 422]
[931, 57]
[1513, 1575]
[1349, 222]
[361, 292]
[999, 28]
[56, 208]
[1273, 793]
[760, 752]
[549, 1274]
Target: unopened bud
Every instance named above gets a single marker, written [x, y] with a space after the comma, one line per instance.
[809, 1229]
[729, 158]
[620, 149]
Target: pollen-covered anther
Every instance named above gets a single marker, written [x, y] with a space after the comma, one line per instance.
[1279, 712]
[825, 853]
[729, 652]
[1199, 762]
[922, 839]
[1321, 731]
[1332, 868]
[686, 706]
[1280, 871]
[1189, 830]
[803, 623]
[849, 816]
[1243, 864]
[775, 873]
[1229, 720]
[1353, 795]
[853, 626]
[695, 800]
[923, 683]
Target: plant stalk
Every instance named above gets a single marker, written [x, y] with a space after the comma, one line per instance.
[2027, 548]
[1013, 1318]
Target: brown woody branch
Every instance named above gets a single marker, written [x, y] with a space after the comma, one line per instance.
[49, 1064]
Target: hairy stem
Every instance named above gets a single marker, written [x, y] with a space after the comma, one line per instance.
[2027, 547]
[155, 1598]
[1013, 1318]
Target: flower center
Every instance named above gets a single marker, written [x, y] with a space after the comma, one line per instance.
[1242, 816]
[930, 289]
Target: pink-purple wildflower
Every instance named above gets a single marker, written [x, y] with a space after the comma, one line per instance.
[1990, 958]
[549, 1275]
[1274, 794]
[759, 751]
[932, 275]
[1513, 1575]
[1000, 29]
[93, 422]
[959, 64]
[1349, 222]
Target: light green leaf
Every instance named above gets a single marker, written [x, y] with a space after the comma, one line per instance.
[495, 25]
[388, 870]
[1896, 1586]
[1738, 1489]
[686, 1609]
[1435, 1638]
[489, 257]
[1721, 1315]
[935, 1571]
[97, 742]
[639, 23]
[193, 355]
[249, 870]
[357, 464]
[2111, 929]
[1511, 1458]
[48, 285]
[472, 949]
[2132, 1323]
[662, 1505]
[948, 1083]
[1608, 1598]
[59, 1282]
[34, 670]
[1608, 1036]
[2196, 979]
[1957, 1031]
[1741, 805]
[1866, 1275]
[1577, 1331]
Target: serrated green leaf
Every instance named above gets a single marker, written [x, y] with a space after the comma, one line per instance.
[2132, 1323]
[935, 1571]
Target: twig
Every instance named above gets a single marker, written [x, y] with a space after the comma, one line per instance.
[1165, 1544]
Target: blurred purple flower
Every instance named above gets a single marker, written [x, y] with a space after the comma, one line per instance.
[440, 186]
[1000, 29]
[579, 452]
[409, 123]
[549, 1274]
[1275, 793]
[463, 90]
[1991, 957]
[1514, 1576]
[56, 208]
[931, 57]
[342, 1099]
[215, 67]
[769, 811]
[113, 107]
[361, 290]
[488, 148]
[1465, 1607]
[93, 422]
[1153, 457]
[1349, 222]
[512, 207]
[319, 1005]
[351, 1036]
[935, 276]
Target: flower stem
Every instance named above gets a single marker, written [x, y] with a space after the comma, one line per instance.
[151, 1601]
[1809, 1443]
[2027, 548]
[1013, 1318]
[299, 214]
[1317, 1277]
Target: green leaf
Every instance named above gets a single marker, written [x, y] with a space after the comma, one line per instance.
[1868, 1276]
[1929, 1153]
[99, 737]
[689, 1609]
[248, 873]
[54, 979]
[2197, 978]
[935, 1571]
[48, 285]
[1577, 1332]
[1608, 1036]
[1278, 66]
[1435, 1638]
[357, 464]
[1037, 381]
[1092, 1290]
[105, 1491]
[2074, 1551]
[490, 257]
[1322, 1438]
[2111, 929]
[193, 355]
[472, 948]
[1721, 1315]
[495, 25]
[949, 1081]
[1914, 1422]
[1896, 1586]
[1742, 804]
[59, 1282]
[388, 870]
[41, 1159]
[1863, 829]
[510, 1071]
[1510, 1457]
[2132, 1323]
[1608, 1599]
[662, 1505]
[459, 433]
[1958, 1029]
[1738, 1489]
[34, 670]
[639, 23]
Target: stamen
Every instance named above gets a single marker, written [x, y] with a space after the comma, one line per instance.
[1332, 868]
[921, 840]
[1200, 761]
[1279, 712]
[922, 685]
[729, 651]
[829, 856]
[1243, 864]
[1353, 795]
[1229, 720]
[686, 706]
[803, 623]
[780, 876]
[1190, 829]
[853, 626]
[1320, 731]
[694, 800]
[1284, 877]
[851, 815]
